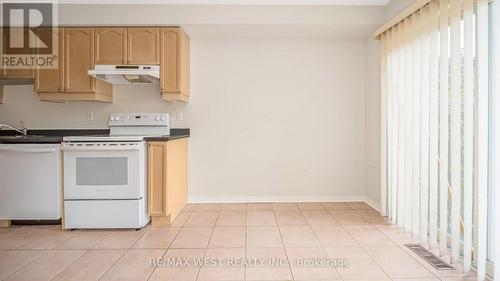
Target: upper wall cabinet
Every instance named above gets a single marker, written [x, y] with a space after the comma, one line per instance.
[174, 65]
[51, 80]
[133, 45]
[77, 49]
[110, 45]
[14, 73]
[78, 59]
[81, 48]
[143, 45]
[17, 73]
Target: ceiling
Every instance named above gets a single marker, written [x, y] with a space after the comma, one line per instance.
[237, 2]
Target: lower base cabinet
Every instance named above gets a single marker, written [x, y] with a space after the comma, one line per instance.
[167, 180]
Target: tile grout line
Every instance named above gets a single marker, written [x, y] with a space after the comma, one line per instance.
[138, 238]
[41, 231]
[106, 236]
[342, 226]
[363, 249]
[373, 259]
[164, 253]
[283, 244]
[10, 231]
[400, 247]
[71, 236]
[245, 242]
[125, 251]
[208, 243]
[421, 262]
[319, 241]
[121, 256]
[169, 244]
[113, 265]
[44, 253]
[78, 232]
[156, 266]
[144, 233]
[64, 269]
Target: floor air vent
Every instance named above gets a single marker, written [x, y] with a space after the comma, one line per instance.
[428, 256]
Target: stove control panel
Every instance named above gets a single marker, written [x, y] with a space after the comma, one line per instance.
[139, 119]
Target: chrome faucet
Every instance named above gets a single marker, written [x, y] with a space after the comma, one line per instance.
[23, 131]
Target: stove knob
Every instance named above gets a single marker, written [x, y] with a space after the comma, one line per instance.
[112, 118]
[163, 118]
[117, 118]
[157, 118]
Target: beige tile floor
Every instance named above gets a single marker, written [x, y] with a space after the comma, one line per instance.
[287, 232]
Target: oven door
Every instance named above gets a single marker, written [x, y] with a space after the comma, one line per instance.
[104, 170]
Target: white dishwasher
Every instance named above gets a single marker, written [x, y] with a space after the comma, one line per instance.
[30, 182]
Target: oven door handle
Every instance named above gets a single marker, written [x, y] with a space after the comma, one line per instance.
[100, 148]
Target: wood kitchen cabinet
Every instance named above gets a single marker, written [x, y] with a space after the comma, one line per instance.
[167, 180]
[78, 59]
[13, 76]
[143, 45]
[174, 64]
[14, 73]
[81, 48]
[134, 45]
[110, 45]
[17, 73]
[51, 80]
[72, 81]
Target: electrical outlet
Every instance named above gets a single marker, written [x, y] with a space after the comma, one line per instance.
[305, 172]
[90, 116]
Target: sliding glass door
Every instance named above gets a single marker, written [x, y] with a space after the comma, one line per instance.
[441, 138]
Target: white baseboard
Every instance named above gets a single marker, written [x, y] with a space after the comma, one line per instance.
[283, 199]
[280, 199]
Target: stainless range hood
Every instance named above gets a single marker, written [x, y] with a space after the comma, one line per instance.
[127, 74]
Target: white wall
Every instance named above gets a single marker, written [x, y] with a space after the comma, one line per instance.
[272, 118]
[372, 121]
[220, 14]
[396, 6]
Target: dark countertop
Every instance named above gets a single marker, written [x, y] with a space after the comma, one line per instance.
[56, 136]
[175, 133]
[46, 136]
[30, 139]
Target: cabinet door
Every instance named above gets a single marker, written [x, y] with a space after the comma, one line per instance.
[174, 65]
[143, 46]
[177, 176]
[51, 80]
[167, 179]
[110, 45]
[18, 73]
[14, 73]
[157, 178]
[78, 59]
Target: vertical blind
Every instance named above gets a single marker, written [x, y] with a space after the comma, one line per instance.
[434, 128]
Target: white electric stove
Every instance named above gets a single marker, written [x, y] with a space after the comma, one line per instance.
[105, 176]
